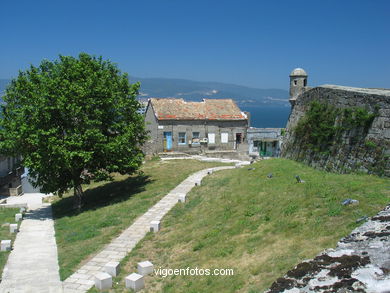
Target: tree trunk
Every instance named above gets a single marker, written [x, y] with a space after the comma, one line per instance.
[78, 197]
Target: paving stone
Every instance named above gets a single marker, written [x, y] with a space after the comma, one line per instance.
[80, 276]
[103, 281]
[112, 268]
[181, 197]
[71, 285]
[18, 217]
[154, 226]
[87, 282]
[5, 245]
[99, 260]
[13, 228]
[145, 268]
[84, 288]
[91, 268]
[135, 282]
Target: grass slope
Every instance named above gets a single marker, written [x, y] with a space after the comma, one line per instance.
[111, 207]
[7, 215]
[260, 227]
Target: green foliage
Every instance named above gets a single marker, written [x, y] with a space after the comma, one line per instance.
[370, 144]
[323, 126]
[357, 117]
[317, 128]
[73, 120]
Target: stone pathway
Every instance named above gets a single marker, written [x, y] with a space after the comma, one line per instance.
[83, 279]
[32, 265]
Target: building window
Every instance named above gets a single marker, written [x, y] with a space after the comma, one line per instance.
[182, 138]
[195, 138]
[295, 82]
[305, 82]
[224, 137]
[211, 138]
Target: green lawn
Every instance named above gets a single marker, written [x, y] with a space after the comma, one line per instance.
[7, 215]
[111, 207]
[257, 226]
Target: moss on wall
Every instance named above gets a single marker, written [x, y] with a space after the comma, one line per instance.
[323, 126]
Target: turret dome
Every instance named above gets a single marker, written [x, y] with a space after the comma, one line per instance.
[298, 72]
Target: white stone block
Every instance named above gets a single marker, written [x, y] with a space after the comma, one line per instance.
[154, 226]
[198, 182]
[145, 268]
[210, 171]
[181, 197]
[135, 282]
[13, 228]
[5, 245]
[22, 210]
[103, 281]
[112, 268]
[18, 217]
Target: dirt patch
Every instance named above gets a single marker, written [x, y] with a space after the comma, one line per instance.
[303, 269]
[348, 263]
[381, 218]
[282, 284]
[372, 234]
[342, 284]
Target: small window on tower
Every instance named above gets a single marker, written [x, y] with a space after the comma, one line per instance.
[305, 82]
[295, 82]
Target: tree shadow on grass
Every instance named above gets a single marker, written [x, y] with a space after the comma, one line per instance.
[101, 196]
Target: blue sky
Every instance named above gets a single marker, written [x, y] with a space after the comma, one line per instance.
[254, 43]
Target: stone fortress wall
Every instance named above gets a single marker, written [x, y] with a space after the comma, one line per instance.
[367, 151]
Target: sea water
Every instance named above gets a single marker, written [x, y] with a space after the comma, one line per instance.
[267, 116]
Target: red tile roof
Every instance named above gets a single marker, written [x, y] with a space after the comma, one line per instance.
[208, 109]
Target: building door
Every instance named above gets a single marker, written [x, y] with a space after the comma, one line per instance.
[263, 148]
[238, 140]
[167, 141]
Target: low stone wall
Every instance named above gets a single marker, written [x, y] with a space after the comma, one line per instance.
[16, 191]
[360, 263]
[366, 151]
[233, 155]
[14, 205]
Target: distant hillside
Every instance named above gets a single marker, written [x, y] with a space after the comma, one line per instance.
[196, 90]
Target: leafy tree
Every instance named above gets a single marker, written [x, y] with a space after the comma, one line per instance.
[73, 120]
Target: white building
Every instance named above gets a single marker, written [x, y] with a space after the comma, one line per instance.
[264, 142]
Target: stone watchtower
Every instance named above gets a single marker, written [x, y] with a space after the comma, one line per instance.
[298, 82]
